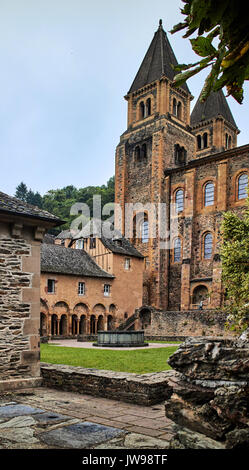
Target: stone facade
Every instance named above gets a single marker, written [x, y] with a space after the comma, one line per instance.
[20, 239]
[191, 165]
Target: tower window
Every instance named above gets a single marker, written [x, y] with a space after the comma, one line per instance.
[137, 153]
[205, 140]
[177, 250]
[242, 186]
[208, 245]
[174, 107]
[228, 141]
[180, 155]
[141, 110]
[148, 107]
[209, 194]
[199, 142]
[179, 110]
[179, 200]
[144, 151]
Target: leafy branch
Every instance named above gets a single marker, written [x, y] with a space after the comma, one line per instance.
[229, 60]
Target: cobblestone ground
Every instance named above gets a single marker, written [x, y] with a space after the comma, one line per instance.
[44, 418]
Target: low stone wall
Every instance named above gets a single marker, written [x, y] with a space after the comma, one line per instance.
[145, 389]
[188, 323]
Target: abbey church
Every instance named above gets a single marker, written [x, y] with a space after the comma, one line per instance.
[190, 163]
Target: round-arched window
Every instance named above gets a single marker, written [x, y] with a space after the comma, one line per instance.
[242, 186]
[208, 245]
[209, 194]
[179, 200]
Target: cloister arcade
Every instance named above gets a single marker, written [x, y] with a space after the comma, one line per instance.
[61, 320]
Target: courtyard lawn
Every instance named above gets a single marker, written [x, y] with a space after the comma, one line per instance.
[138, 361]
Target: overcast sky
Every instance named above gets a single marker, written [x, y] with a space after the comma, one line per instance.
[65, 68]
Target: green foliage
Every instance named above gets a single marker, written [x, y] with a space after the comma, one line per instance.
[60, 201]
[229, 59]
[235, 269]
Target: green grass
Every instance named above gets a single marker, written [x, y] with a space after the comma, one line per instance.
[137, 361]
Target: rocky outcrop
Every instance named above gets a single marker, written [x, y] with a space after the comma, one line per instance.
[211, 397]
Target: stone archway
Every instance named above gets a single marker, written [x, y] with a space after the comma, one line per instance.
[63, 325]
[54, 325]
[100, 323]
[200, 296]
[145, 317]
[92, 325]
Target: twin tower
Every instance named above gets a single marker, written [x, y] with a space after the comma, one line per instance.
[167, 155]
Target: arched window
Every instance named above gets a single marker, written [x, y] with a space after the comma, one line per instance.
[229, 142]
[144, 151]
[208, 245]
[177, 250]
[137, 152]
[242, 186]
[205, 140]
[179, 200]
[145, 231]
[180, 154]
[209, 194]
[148, 107]
[199, 142]
[141, 110]
[174, 107]
[179, 110]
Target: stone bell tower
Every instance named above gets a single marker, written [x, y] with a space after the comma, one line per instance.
[158, 137]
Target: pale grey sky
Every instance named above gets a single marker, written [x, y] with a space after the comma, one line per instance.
[65, 68]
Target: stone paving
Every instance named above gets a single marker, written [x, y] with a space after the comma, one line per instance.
[44, 418]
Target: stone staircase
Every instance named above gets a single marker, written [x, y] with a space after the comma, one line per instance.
[128, 324]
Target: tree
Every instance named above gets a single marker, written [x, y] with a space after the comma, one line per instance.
[21, 191]
[225, 22]
[235, 268]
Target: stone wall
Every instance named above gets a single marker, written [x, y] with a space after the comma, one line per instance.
[145, 389]
[19, 307]
[187, 323]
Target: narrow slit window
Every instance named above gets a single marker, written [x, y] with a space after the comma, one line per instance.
[51, 286]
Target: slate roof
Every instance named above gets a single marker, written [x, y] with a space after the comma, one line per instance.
[117, 244]
[157, 62]
[216, 104]
[60, 260]
[12, 205]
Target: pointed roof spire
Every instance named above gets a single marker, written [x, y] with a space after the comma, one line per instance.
[157, 62]
[216, 104]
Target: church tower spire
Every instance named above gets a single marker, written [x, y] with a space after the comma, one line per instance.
[213, 124]
[157, 137]
[154, 79]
